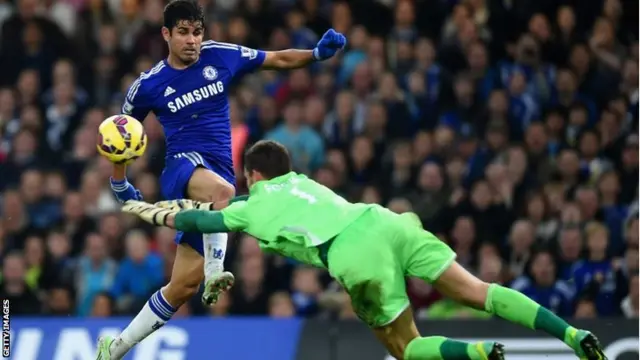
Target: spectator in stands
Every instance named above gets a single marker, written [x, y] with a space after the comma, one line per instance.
[490, 268]
[75, 223]
[588, 202]
[463, 240]
[60, 302]
[594, 275]
[148, 186]
[281, 306]
[571, 246]
[305, 287]
[14, 287]
[586, 309]
[362, 161]
[537, 210]
[103, 305]
[630, 305]
[40, 275]
[140, 273]
[521, 240]
[303, 143]
[537, 154]
[93, 273]
[430, 196]
[249, 296]
[628, 168]
[543, 285]
[613, 213]
[523, 108]
[113, 229]
[59, 250]
[16, 222]
[32, 190]
[398, 174]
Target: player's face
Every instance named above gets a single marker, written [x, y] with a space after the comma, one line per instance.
[184, 40]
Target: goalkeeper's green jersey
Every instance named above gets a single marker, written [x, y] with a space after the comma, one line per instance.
[291, 215]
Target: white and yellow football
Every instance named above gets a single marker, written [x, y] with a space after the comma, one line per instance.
[121, 139]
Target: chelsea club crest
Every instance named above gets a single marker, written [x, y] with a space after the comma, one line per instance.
[210, 73]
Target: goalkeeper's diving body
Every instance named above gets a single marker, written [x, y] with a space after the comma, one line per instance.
[369, 250]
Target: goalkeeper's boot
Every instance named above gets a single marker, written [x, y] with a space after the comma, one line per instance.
[104, 345]
[586, 345]
[490, 350]
[215, 284]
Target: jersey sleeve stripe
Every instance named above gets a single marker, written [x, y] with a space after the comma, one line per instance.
[133, 89]
[219, 45]
[143, 76]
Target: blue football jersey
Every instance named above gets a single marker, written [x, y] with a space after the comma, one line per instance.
[191, 104]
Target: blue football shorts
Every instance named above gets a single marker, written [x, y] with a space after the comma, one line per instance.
[175, 179]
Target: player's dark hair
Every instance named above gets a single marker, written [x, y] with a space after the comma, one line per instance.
[182, 10]
[269, 158]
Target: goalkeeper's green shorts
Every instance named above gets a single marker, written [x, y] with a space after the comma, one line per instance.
[373, 255]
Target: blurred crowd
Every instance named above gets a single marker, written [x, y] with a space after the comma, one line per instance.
[509, 127]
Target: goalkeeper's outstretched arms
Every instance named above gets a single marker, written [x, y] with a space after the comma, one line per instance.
[182, 215]
[187, 204]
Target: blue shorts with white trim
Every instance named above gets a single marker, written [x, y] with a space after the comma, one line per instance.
[175, 179]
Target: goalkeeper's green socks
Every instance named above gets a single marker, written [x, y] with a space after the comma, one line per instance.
[517, 308]
[510, 305]
[441, 348]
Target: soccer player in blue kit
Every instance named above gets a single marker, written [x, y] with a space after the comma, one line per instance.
[188, 94]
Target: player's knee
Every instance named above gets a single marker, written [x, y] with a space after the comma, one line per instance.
[475, 295]
[396, 345]
[226, 192]
[396, 349]
[219, 193]
[461, 286]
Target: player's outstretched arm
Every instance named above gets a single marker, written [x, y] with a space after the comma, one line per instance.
[330, 43]
[188, 204]
[201, 221]
[150, 213]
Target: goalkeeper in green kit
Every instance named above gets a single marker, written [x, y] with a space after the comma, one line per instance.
[368, 249]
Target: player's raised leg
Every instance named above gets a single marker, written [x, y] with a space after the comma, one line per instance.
[186, 277]
[206, 186]
[458, 284]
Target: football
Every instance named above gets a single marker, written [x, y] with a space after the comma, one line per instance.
[121, 139]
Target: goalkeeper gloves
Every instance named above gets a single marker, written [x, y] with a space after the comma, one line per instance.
[150, 213]
[184, 204]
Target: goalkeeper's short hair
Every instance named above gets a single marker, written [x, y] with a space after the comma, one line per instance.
[269, 158]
